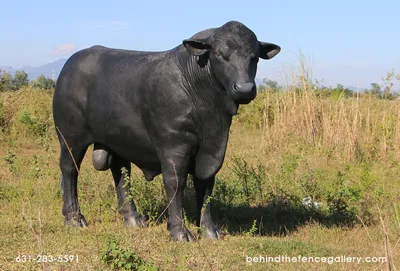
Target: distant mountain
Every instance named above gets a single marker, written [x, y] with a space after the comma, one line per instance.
[34, 72]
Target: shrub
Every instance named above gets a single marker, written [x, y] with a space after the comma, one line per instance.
[124, 259]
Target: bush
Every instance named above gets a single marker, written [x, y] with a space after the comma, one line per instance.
[124, 259]
[27, 112]
[34, 125]
[149, 197]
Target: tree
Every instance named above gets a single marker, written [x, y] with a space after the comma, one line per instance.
[270, 84]
[341, 91]
[43, 83]
[375, 90]
[6, 81]
[388, 85]
[20, 79]
[340, 87]
[50, 83]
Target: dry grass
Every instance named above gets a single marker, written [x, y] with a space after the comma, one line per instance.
[353, 129]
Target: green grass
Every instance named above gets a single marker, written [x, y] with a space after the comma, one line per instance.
[284, 147]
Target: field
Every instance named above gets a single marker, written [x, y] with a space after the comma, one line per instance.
[303, 175]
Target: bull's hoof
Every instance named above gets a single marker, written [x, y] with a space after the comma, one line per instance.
[211, 232]
[182, 235]
[75, 220]
[138, 222]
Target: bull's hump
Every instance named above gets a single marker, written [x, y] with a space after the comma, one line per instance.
[204, 34]
[98, 47]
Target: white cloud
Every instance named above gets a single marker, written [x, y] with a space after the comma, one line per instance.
[64, 50]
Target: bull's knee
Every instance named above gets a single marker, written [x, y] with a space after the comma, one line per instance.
[101, 158]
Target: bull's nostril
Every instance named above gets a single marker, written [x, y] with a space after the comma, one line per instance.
[243, 87]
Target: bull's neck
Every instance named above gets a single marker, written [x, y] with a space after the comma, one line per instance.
[202, 87]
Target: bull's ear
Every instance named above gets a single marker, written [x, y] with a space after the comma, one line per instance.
[196, 47]
[268, 50]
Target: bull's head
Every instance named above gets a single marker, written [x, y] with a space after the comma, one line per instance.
[233, 52]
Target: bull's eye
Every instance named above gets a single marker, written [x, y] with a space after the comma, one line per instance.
[218, 54]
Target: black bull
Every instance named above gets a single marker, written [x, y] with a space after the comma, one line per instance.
[166, 112]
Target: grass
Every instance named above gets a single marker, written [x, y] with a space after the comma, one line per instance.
[342, 154]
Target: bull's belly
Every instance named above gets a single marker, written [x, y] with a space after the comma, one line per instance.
[134, 145]
[143, 156]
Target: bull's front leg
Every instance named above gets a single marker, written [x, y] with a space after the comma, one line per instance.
[175, 170]
[204, 220]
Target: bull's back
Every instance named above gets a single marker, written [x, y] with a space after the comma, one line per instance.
[104, 73]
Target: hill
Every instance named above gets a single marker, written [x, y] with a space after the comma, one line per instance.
[34, 72]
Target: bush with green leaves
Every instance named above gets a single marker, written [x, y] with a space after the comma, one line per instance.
[10, 159]
[251, 179]
[35, 126]
[149, 197]
[124, 259]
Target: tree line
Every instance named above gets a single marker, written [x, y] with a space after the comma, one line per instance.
[20, 80]
[383, 91]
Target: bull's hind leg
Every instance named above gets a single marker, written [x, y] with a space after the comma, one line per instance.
[126, 206]
[69, 177]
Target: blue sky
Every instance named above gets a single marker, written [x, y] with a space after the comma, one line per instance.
[341, 40]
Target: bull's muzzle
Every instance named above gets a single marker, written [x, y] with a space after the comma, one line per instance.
[244, 92]
[241, 87]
